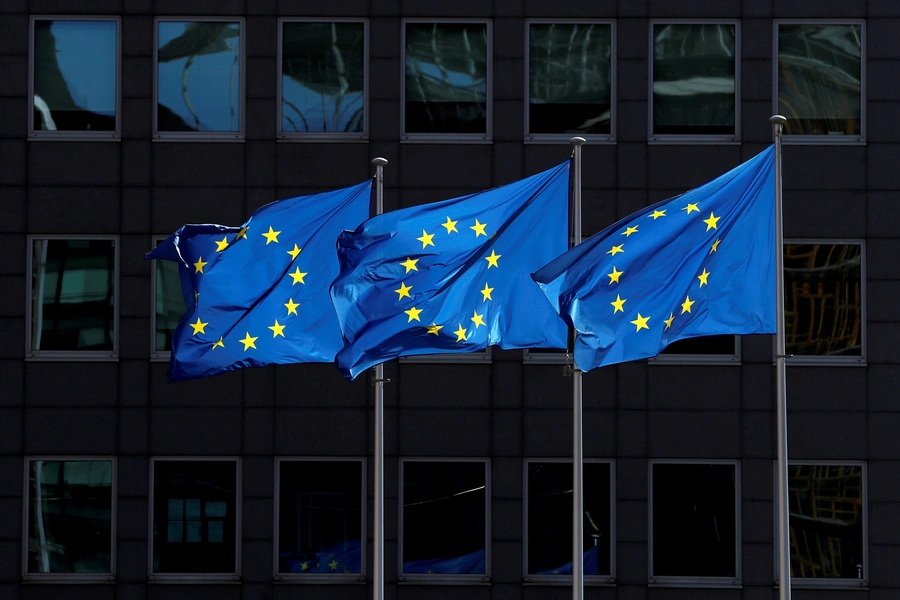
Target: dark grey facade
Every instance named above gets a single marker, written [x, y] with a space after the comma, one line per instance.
[505, 410]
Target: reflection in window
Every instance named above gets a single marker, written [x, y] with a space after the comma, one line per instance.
[198, 76]
[322, 77]
[73, 294]
[823, 299]
[820, 79]
[569, 78]
[320, 517]
[169, 303]
[194, 509]
[70, 516]
[75, 75]
[446, 78]
[693, 520]
[826, 521]
[550, 518]
[712, 345]
[694, 79]
[443, 518]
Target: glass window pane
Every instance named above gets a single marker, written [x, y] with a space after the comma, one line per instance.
[320, 517]
[694, 520]
[175, 531]
[443, 517]
[569, 78]
[198, 76]
[820, 79]
[70, 516]
[823, 299]
[74, 75]
[73, 294]
[192, 533]
[446, 78]
[215, 532]
[709, 345]
[550, 518]
[693, 79]
[322, 77]
[176, 508]
[169, 303]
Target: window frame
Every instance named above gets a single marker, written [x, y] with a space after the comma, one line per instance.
[445, 578]
[201, 136]
[733, 139]
[450, 138]
[832, 361]
[155, 355]
[556, 138]
[194, 578]
[70, 355]
[82, 136]
[319, 578]
[842, 140]
[481, 357]
[592, 580]
[679, 581]
[69, 578]
[700, 359]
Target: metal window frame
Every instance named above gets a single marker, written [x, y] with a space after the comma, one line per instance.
[843, 140]
[831, 361]
[155, 355]
[321, 136]
[557, 138]
[597, 580]
[201, 136]
[69, 578]
[700, 359]
[835, 583]
[193, 578]
[70, 355]
[57, 136]
[458, 138]
[735, 582]
[319, 578]
[480, 357]
[446, 578]
[704, 139]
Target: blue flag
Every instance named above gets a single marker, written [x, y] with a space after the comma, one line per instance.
[452, 276]
[258, 294]
[699, 264]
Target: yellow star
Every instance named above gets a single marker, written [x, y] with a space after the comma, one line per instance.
[618, 304]
[333, 564]
[460, 334]
[410, 264]
[404, 291]
[486, 292]
[291, 306]
[629, 231]
[668, 321]
[426, 239]
[715, 246]
[477, 319]
[711, 221]
[294, 253]
[686, 305]
[614, 276]
[691, 208]
[249, 342]
[434, 328]
[222, 244]
[219, 344]
[657, 214]
[492, 259]
[616, 249]
[413, 314]
[242, 233]
[298, 276]
[478, 228]
[641, 323]
[304, 566]
[703, 277]
[277, 329]
[199, 265]
[271, 236]
[450, 225]
[198, 326]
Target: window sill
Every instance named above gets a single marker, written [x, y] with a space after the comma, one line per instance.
[695, 582]
[438, 580]
[818, 584]
[311, 138]
[199, 137]
[68, 579]
[66, 136]
[560, 138]
[446, 138]
[323, 579]
[693, 140]
[199, 578]
[686, 359]
[823, 361]
[823, 140]
[71, 357]
[566, 581]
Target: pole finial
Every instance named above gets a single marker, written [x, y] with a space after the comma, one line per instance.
[577, 141]
[777, 120]
[379, 162]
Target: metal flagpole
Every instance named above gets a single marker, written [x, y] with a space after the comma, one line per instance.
[378, 553]
[578, 451]
[784, 549]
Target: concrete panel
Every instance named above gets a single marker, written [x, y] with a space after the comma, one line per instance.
[758, 563]
[631, 563]
[686, 167]
[12, 208]
[694, 387]
[758, 434]
[444, 385]
[880, 85]
[631, 78]
[811, 388]
[71, 384]
[198, 7]
[507, 384]
[137, 30]
[883, 429]
[881, 566]
[433, 432]
[10, 569]
[172, 207]
[131, 518]
[223, 390]
[883, 484]
[506, 432]
[422, 165]
[13, 127]
[631, 521]
[133, 477]
[137, 118]
[883, 381]
[757, 523]
[710, 9]
[131, 567]
[10, 525]
[12, 377]
[325, 166]
[509, 119]
[198, 164]
[258, 472]
[384, 36]
[882, 343]
[257, 561]
[70, 592]
[879, 177]
[195, 431]
[11, 304]
[834, 214]
[257, 522]
[261, 165]
[632, 390]
[883, 218]
[133, 434]
[11, 474]
[136, 159]
[758, 479]
[138, 79]
[756, 43]
[135, 210]
[506, 479]
[300, 432]
[15, 69]
[548, 433]
[881, 126]
[631, 433]
[826, 435]
[262, 36]
[799, 9]
[259, 431]
[509, 84]
[70, 431]
[600, 433]
[68, 164]
[14, 34]
[632, 125]
[694, 434]
[545, 386]
[261, 120]
[506, 520]
[319, 385]
[73, 209]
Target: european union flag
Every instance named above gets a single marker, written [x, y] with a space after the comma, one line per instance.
[702, 263]
[452, 276]
[258, 294]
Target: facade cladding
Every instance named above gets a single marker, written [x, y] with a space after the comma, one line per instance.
[120, 124]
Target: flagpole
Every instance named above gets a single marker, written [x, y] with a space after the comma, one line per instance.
[378, 542]
[784, 548]
[577, 450]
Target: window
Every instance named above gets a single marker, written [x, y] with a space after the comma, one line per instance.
[713, 349]
[168, 304]
[320, 522]
[444, 531]
[72, 304]
[195, 519]
[69, 524]
[447, 89]
[821, 80]
[199, 79]
[824, 312]
[323, 79]
[695, 81]
[695, 523]
[571, 80]
[548, 520]
[74, 78]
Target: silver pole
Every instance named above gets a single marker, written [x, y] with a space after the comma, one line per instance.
[378, 553]
[784, 539]
[577, 450]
